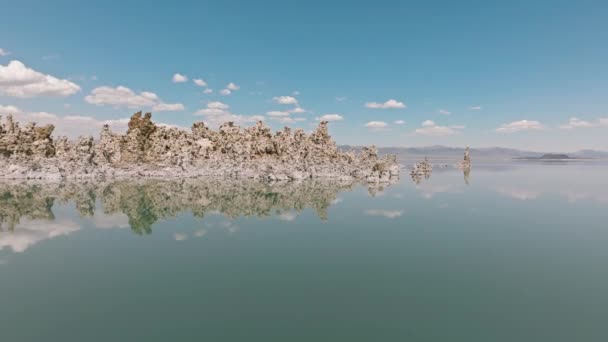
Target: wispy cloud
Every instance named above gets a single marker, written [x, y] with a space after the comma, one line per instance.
[430, 128]
[390, 104]
[180, 236]
[390, 214]
[521, 194]
[444, 112]
[400, 122]
[578, 123]
[330, 117]
[276, 113]
[475, 108]
[4, 52]
[288, 120]
[200, 233]
[376, 125]
[518, 126]
[168, 107]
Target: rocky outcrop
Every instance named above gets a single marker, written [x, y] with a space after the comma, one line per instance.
[466, 163]
[420, 170]
[151, 150]
[28, 141]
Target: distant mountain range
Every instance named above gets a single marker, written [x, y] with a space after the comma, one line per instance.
[486, 153]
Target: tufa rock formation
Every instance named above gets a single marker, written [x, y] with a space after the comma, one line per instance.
[421, 169]
[148, 150]
[466, 163]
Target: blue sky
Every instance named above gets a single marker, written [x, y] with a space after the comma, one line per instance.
[529, 74]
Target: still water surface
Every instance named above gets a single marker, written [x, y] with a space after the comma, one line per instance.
[513, 252]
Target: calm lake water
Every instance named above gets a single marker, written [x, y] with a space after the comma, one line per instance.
[513, 252]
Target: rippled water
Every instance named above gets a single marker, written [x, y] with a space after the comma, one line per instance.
[512, 252]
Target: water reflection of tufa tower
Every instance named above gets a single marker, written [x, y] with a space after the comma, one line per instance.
[465, 165]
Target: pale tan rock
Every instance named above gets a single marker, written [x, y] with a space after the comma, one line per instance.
[149, 150]
[420, 170]
[466, 163]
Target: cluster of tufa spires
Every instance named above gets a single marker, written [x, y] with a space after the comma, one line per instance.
[153, 150]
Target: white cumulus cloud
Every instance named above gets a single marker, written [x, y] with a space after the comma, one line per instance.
[217, 105]
[199, 82]
[400, 122]
[232, 86]
[297, 110]
[125, 97]
[229, 89]
[376, 124]
[179, 78]
[17, 80]
[390, 104]
[288, 100]
[518, 126]
[330, 117]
